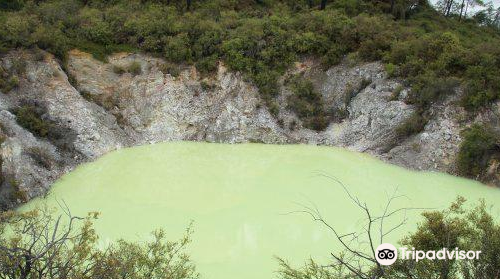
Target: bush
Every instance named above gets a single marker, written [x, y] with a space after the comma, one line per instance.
[134, 68]
[413, 125]
[459, 226]
[171, 69]
[29, 117]
[9, 83]
[307, 103]
[479, 145]
[119, 70]
[72, 250]
[428, 89]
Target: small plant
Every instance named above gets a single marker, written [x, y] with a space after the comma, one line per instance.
[171, 69]
[395, 94]
[16, 194]
[134, 68]
[29, 117]
[413, 125]
[207, 86]
[10, 83]
[38, 54]
[19, 66]
[119, 70]
[274, 108]
[391, 69]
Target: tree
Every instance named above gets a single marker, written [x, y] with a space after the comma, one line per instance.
[323, 4]
[465, 6]
[455, 227]
[37, 245]
[357, 258]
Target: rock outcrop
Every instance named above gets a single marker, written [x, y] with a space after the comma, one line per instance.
[94, 107]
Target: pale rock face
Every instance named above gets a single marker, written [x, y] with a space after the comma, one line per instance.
[106, 110]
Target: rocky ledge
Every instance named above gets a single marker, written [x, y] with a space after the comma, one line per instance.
[93, 107]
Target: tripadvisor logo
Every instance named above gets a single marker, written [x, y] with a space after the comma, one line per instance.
[387, 254]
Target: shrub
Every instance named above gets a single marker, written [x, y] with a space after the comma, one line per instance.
[428, 89]
[119, 70]
[390, 69]
[171, 69]
[459, 226]
[134, 68]
[263, 38]
[395, 94]
[29, 117]
[307, 103]
[478, 146]
[413, 125]
[9, 83]
[72, 250]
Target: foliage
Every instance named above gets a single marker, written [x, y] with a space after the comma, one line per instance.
[479, 145]
[413, 125]
[433, 53]
[39, 244]
[29, 117]
[134, 68]
[307, 103]
[456, 227]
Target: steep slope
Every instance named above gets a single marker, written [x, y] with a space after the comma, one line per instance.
[107, 108]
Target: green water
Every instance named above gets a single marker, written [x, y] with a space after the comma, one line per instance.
[242, 199]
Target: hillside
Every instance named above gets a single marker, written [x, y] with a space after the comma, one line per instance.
[402, 81]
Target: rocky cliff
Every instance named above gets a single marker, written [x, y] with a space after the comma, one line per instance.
[91, 108]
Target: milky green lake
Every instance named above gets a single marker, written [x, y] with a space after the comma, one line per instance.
[244, 199]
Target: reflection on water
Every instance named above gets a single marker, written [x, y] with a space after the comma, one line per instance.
[244, 199]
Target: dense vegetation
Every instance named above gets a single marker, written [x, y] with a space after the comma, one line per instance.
[480, 145]
[433, 50]
[263, 38]
[40, 245]
[469, 229]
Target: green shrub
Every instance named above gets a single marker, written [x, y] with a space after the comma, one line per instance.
[119, 70]
[307, 103]
[171, 69]
[72, 250]
[134, 68]
[413, 125]
[459, 227]
[427, 89]
[29, 117]
[390, 69]
[395, 94]
[6, 85]
[478, 146]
